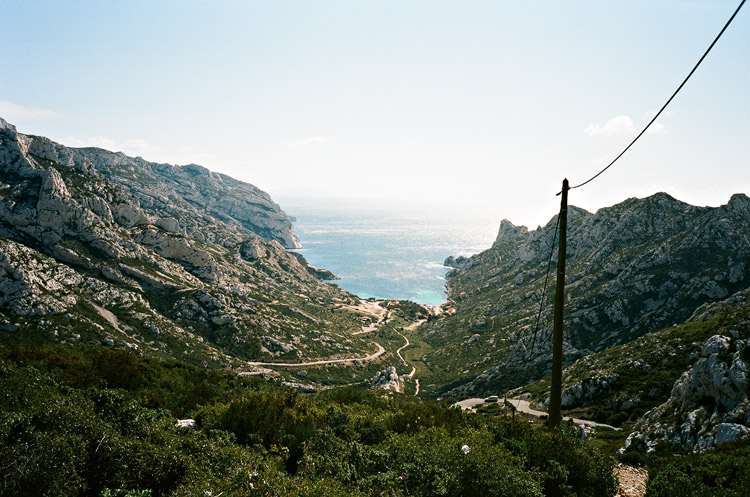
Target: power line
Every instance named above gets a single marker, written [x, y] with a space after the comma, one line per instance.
[668, 101]
[544, 289]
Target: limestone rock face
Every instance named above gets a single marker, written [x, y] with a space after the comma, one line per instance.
[631, 269]
[709, 404]
[584, 392]
[171, 261]
[31, 285]
[252, 249]
[509, 231]
[388, 379]
[191, 197]
[459, 262]
[5, 125]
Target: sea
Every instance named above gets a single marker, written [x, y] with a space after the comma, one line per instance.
[386, 250]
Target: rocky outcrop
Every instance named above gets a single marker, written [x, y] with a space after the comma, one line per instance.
[633, 268]
[37, 292]
[459, 262]
[709, 404]
[172, 261]
[509, 232]
[585, 392]
[279, 348]
[32, 285]
[388, 379]
[321, 274]
[621, 384]
[186, 199]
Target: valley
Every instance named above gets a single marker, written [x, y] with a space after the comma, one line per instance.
[107, 259]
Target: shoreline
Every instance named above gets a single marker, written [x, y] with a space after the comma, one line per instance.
[389, 253]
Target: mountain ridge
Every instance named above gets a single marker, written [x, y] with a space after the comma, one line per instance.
[172, 261]
[633, 268]
[224, 197]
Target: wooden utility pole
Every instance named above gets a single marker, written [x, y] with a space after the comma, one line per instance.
[555, 401]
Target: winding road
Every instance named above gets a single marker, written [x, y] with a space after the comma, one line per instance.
[398, 353]
[413, 368]
[525, 407]
[370, 357]
[372, 308]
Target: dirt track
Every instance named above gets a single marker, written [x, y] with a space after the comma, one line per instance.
[322, 362]
[524, 406]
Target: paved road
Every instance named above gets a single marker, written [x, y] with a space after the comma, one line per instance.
[523, 406]
[370, 357]
[372, 308]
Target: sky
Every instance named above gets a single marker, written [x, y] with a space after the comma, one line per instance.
[479, 107]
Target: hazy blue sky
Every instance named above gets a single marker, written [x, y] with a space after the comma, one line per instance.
[477, 105]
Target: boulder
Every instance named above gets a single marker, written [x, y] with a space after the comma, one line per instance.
[711, 398]
[388, 379]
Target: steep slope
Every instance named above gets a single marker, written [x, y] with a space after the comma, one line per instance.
[709, 404]
[186, 199]
[632, 268]
[622, 383]
[176, 261]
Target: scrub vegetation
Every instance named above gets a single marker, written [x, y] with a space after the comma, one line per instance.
[96, 421]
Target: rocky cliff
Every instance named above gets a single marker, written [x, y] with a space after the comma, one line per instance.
[709, 404]
[182, 199]
[388, 379]
[632, 268]
[174, 261]
[619, 385]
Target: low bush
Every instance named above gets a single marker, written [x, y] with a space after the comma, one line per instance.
[64, 430]
[724, 471]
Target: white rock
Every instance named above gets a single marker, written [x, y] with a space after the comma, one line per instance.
[185, 423]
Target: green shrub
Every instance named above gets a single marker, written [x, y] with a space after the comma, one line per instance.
[722, 471]
[62, 432]
[673, 482]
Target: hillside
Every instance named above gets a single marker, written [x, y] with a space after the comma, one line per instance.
[621, 384]
[90, 420]
[633, 268]
[138, 272]
[171, 261]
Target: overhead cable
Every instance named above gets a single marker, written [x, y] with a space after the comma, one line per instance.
[544, 288]
[668, 101]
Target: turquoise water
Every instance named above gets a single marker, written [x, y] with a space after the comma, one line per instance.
[387, 251]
